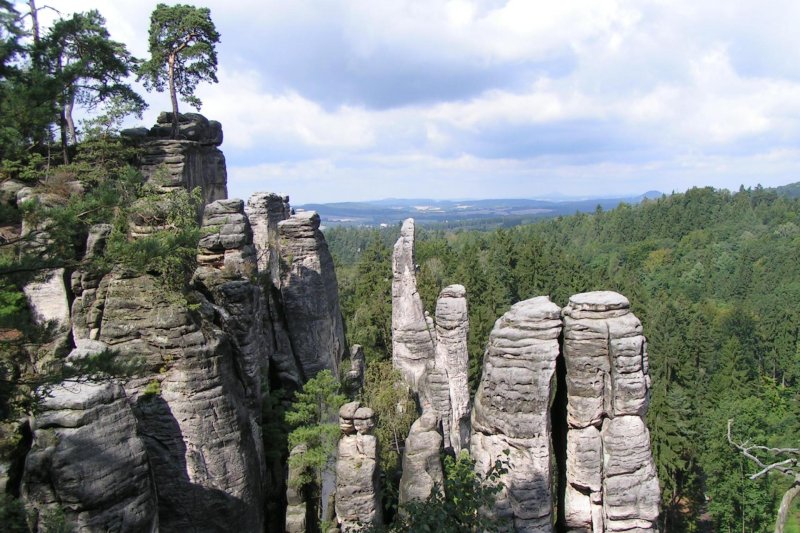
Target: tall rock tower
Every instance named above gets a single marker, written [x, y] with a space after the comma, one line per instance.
[512, 412]
[611, 478]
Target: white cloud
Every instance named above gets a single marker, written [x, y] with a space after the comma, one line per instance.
[606, 95]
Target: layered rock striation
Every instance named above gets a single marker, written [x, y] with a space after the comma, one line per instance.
[88, 462]
[264, 211]
[422, 467]
[412, 339]
[611, 478]
[512, 412]
[358, 501]
[192, 160]
[310, 295]
[452, 361]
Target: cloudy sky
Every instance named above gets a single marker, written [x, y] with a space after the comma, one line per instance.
[331, 100]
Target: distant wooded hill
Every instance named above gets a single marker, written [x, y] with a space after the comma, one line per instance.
[426, 211]
[477, 214]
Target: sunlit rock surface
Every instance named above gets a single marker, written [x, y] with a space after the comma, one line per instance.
[88, 462]
[452, 361]
[358, 501]
[512, 412]
[611, 477]
[310, 295]
[412, 338]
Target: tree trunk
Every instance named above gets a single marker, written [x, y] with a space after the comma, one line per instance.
[73, 136]
[62, 117]
[34, 21]
[172, 95]
[786, 504]
[63, 126]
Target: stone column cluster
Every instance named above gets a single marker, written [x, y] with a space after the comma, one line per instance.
[611, 482]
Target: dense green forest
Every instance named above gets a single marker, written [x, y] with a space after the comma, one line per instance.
[713, 275]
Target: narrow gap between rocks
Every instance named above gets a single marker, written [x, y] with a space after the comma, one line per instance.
[558, 423]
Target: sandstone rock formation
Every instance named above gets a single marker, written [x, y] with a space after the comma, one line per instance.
[88, 461]
[611, 478]
[46, 294]
[310, 295]
[354, 379]
[512, 412]
[412, 338]
[452, 361]
[264, 210]
[226, 276]
[193, 411]
[191, 161]
[358, 501]
[296, 508]
[422, 467]
[227, 241]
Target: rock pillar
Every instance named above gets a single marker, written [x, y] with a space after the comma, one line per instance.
[512, 412]
[611, 478]
[452, 360]
[412, 339]
[358, 501]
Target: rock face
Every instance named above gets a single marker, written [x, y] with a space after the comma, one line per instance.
[422, 467]
[46, 294]
[191, 161]
[310, 295]
[226, 276]
[512, 412]
[354, 379]
[264, 210]
[296, 508]
[611, 478]
[412, 339]
[452, 361]
[227, 241]
[358, 502]
[88, 460]
[194, 409]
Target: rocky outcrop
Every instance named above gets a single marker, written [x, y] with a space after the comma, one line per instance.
[193, 407]
[88, 462]
[358, 502]
[227, 241]
[611, 478]
[452, 362]
[422, 466]
[296, 508]
[512, 412]
[264, 210]
[310, 295]
[354, 379]
[46, 294]
[226, 275]
[192, 160]
[412, 338]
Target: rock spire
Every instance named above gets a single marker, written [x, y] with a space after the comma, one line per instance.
[412, 339]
